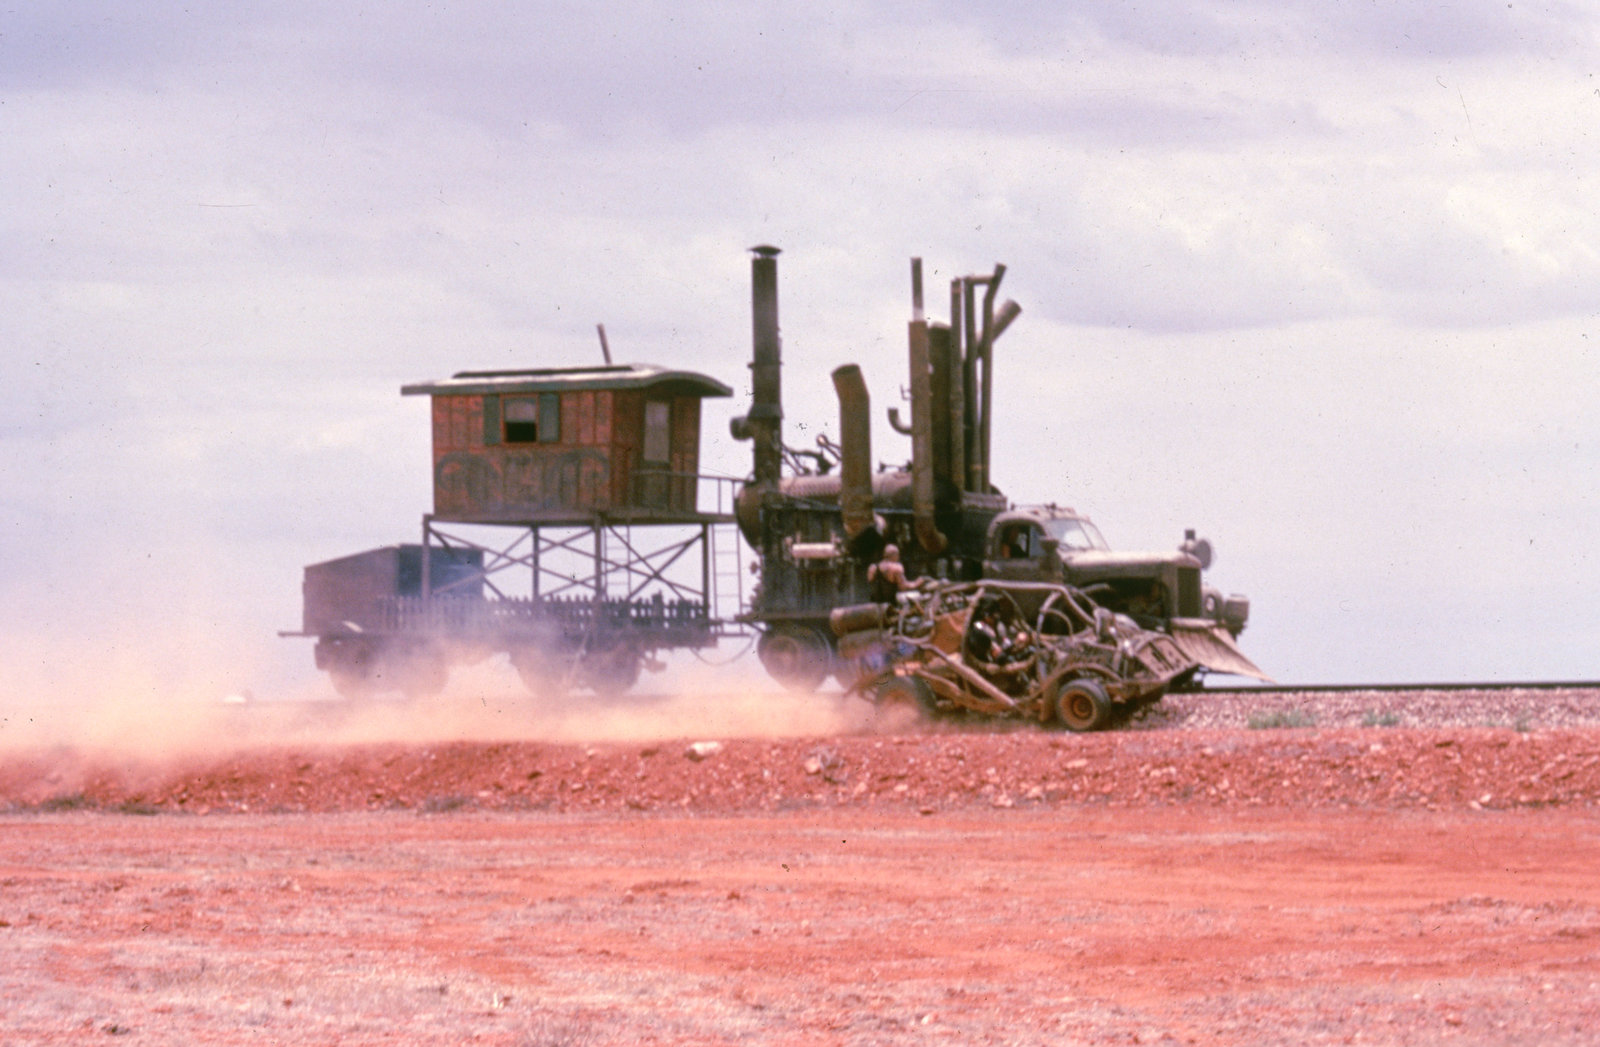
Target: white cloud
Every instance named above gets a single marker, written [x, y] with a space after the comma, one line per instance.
[1306, 277]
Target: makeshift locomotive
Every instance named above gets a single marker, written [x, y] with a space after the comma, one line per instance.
[570, 532]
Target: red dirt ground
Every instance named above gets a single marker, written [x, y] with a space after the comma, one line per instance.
[1381, 885]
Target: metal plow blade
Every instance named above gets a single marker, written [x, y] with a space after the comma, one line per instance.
[1212, 647]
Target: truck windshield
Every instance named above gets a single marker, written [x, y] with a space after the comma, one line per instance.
[1075, 534]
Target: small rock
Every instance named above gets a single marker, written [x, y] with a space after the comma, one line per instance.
[701, 750]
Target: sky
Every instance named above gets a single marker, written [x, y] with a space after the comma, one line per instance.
[1319, 280]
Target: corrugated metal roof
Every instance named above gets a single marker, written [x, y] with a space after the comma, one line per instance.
[574, 379]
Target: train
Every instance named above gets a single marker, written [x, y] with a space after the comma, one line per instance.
[574, 532]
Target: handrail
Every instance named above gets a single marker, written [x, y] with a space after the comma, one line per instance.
[724, 489]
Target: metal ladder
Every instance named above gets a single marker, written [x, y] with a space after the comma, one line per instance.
[727, 572]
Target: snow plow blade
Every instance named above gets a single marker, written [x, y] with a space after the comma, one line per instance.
[1211, 646]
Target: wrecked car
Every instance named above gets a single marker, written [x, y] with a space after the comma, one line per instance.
[1034, 651]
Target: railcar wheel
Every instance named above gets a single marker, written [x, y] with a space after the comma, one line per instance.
[796, 656]
[1083, 705]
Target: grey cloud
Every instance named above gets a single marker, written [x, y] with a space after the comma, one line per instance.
[1396, 29]
[229, 238]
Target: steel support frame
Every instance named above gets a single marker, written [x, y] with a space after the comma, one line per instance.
[610, 560]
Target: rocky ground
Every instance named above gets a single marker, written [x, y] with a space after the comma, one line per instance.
[1229, 868]
[1431, 751]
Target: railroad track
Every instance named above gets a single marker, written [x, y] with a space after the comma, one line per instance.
[1523, 705]
[1348, 688]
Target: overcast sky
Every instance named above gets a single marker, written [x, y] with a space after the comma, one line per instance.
[1317, 279]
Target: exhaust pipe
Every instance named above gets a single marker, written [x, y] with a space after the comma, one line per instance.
[979, 371]
[764, 424]
[955, 408]
[855, 450]
[928, 534]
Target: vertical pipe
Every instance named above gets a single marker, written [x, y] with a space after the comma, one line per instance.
[766, 366]
[939, 337]
[989, 335]
[986, 362]
[706, 577]
[916, 289]
[971, 393]
[922, 480]
[427, 560]
[855, 449]
[534, 533]
[957, 413]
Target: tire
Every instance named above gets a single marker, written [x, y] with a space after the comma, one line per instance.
[796, 656]
[1082, 705]
[351, 684]
[540, 671]
[351, 666]
[902, 703]
[416, 672]
[612, 672]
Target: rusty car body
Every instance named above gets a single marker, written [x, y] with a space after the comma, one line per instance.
[1039, 652]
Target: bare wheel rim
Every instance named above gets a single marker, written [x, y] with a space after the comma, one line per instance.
[796, 657]
[1083, 705]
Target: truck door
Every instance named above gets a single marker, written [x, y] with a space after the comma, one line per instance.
[1017, 553]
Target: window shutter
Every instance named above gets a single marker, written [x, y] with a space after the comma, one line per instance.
[549, 418]
[491, 419]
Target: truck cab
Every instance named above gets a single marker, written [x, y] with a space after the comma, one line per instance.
[1051, 543]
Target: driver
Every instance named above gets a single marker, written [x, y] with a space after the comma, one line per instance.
[887, 578]
[992, 638]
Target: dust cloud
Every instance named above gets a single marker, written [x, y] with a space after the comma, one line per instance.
[149, 706]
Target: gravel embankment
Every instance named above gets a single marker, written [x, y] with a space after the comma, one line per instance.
[1523, 709]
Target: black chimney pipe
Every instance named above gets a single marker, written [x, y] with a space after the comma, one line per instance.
[764, 423]
[922, 423]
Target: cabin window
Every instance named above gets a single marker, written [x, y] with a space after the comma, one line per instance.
[1018, 542]
[657, 431]
[532, 419]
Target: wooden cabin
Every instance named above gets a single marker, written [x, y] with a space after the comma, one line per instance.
[567, 445]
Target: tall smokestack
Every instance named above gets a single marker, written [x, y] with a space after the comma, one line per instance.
[922, 424]
[956, 405]
[764, 423]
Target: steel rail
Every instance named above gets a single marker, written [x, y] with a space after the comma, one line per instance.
[1337, 688]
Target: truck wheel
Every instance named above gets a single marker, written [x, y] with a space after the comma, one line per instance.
[542, 673]
[416, 672]
[1083, 705]
[611, 672]
[426, 678]
[796, 656]
[350, 665]
[351, 684]
[902, 702]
